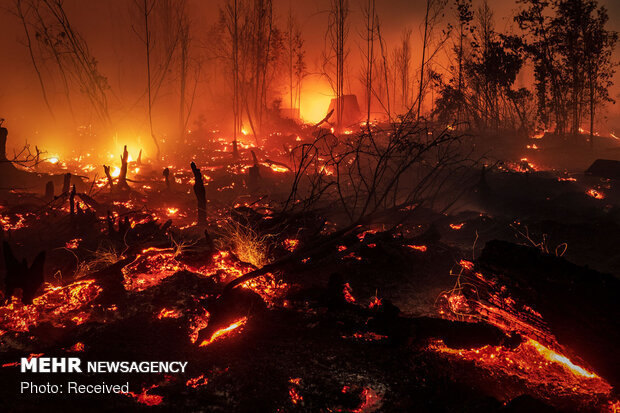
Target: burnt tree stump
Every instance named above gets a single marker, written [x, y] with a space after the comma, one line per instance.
[166, 174]
[106, 169]
[66, 183]
[199, 191]
[235, 151]
[20, 275]
[4, 132]
[122, 178]
[49, 191]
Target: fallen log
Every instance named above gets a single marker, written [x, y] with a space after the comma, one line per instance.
[580, 306]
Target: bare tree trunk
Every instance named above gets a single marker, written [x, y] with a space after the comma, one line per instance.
[183, 72]
[147, 9]
[592, 100]
[370, 27]
[428, 6]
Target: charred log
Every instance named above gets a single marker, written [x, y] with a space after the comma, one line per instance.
[579, 305]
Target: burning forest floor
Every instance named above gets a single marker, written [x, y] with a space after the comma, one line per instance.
[507, 304]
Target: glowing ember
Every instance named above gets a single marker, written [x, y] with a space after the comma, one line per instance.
[77, 347]
[370, 400]
[291, 244]
[58, 305]
[198, 323]
[197, 381]
[172, 211]
[468, 265]
[294, 392]
[224, 332]
[555, 357]
[73, 244]
[374, 302]
[268, 287]
[145, 398]
[533, 362]
[421, 248]
[13, 222]
[595, 194]
[278, 168]
[367, 336]
[347, 291]
[458, 304]
[456, 227]
[149, 268]
[165, 313]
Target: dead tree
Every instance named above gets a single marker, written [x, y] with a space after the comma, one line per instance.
[371, 25]
[199, 191]
[161, 31]
[337, 33]
[72, 203]
[63, 48]
[66, 183]
[434, 11]
[4, 133]
[122, 178]
[106, 170]
[235, 151]
[166, 174]
[253, 173]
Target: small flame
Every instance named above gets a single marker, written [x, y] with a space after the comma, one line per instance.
[145, 398]
[595, 194]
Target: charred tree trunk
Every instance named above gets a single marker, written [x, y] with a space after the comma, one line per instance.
[49, 191]
[66, 183]
[166, 174]
[122, 178]
[3, 135]
[199, 191]
[19, 275]
[106, 169]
